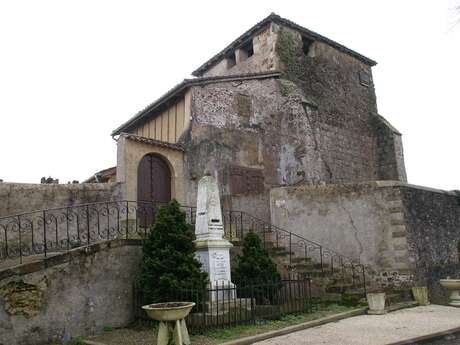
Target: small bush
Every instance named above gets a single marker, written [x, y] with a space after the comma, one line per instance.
[169, 264]
[255, 267]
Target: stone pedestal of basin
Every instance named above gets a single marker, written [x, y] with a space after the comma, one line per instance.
[376, 303]
[172, 324]
[453, 286]
[420, 295]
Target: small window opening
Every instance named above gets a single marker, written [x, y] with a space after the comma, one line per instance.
[364, 79]
[306, 45]
[249, 49]
[231, 60]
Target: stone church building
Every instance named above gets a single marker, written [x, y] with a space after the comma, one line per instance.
[287, 119]
[279, 106]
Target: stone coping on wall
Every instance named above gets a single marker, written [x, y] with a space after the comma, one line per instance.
[381, 184]
[376, 184]
[55, 259]
[60, 185]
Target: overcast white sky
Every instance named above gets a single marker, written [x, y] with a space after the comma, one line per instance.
[72, 71]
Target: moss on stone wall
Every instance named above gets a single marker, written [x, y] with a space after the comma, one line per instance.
[22, 298]
[289, 52]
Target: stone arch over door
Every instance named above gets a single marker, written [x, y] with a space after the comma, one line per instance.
[129, 156]
[153, 179]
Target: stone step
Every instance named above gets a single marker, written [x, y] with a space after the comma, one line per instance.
[277, 249]
[332, 297]
[297, 259]
[339, 288]
[354, 296]
[281, 253]
[314, 273]
[313, 266]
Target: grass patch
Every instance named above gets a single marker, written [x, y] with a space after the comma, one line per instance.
[262, 326]
[143, 334]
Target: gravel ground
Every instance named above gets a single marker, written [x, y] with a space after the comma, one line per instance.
[378, 329]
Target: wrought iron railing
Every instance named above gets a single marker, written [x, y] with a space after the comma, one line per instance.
[51, 231]
[248, 302]
[60, 229]
[301, 255]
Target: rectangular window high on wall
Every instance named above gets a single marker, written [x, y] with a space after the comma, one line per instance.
[306, 45]
[248, 48]
[231, 60]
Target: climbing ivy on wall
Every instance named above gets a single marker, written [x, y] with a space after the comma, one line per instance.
[290, 52]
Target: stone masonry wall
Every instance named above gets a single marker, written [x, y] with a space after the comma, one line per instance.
[362, 221]
[408, 234]
[272, 125]
[263, 60]
[69, 295]
[433, 232]
[316, 124]
[24, 197]
[390, 163]
[340, 109]
[433, 223]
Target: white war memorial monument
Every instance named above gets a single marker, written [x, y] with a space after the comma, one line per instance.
[212, 250]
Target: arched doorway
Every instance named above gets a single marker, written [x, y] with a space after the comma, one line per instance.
[153, 186]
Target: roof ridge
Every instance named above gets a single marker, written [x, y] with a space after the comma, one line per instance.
[273, 17]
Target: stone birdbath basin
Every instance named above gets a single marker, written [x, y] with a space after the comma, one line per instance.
[453, 286]
[172, 324]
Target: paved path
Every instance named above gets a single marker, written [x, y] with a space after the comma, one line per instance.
[376, 329]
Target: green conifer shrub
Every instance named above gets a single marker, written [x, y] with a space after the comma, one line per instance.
[169, 265]
[255, 268]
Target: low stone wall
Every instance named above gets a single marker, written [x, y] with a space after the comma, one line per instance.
[433, 225]
[400, 230]
[355, 220]
[25, 197]
[70, 294]
[433, 234]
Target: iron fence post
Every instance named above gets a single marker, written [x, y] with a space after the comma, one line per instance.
[253, 297]
[364, 281]
[352, 274]
[241, 226]
[6, 244]
[20, 239]
[67, 227]
[127, 219]
[230, 224]
[263, 226]
[108, 220]
[44, 233]
[321, 258]
[88, 240]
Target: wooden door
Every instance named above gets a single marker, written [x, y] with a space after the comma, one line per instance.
[153, 187]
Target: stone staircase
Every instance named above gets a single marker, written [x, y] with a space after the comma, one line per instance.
[334, 278]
